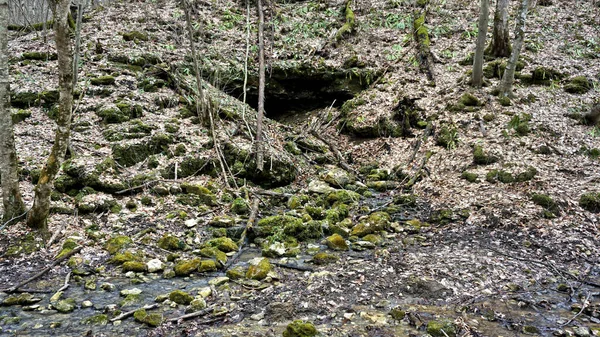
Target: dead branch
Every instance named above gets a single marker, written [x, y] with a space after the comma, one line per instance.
[248, 228]
[342, 162]
[131, 312]
[192, 315]
[293, 266]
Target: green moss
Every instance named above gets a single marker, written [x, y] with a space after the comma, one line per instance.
[135, 36]
[67, 247]
[65, 306]
[343, 196]
[270, 225]
[504, 101]
[481, 158]
[186, 267]
[422, 3]
[223, 244]
[447, 137]
[316, 213]
[468, 99]
[135, 266]
[235, 273]
[374, 223]
[547, 203]
[207, 266]
[530, 330]
[239, 206]
[336, 214]
[20, 115]
[499, 175]
[117, 243]
[336, 242]
[441, 328]
[294, 202]
[215, 253]
[146, 200]
[258, 269]
[527, 175]
[397, 313]
[300, 328]
[181, 297]
[520, 123]
[205, 195]
[120, 258]
[542, 76]
[130, 154]
[590, 202]
[442, 216]
[578, 85]
[304, 231]
[170, 242]
[152, 320]
[421, 31]
[103, 80]
[324, 258]
[348, 26]
[100, 319]
[469, 176]
[39, 56]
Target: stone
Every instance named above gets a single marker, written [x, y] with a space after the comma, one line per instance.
[318, 186]
[186, 267]
[181, 297]
[64, 306]
[217, 281]
[154, 265]
[338, 177]
[132, 291]
[198, 304]
[300, 328]
[259, 268]
[336, 242]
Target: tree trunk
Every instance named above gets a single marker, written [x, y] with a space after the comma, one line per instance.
[201, 102]
[484, 13]
[261, 88]
[11, 196]
[500, 45]
[509, 74]
[41, 204]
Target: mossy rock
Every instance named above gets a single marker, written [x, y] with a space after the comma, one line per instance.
[268, 226]
[20, 115]
[303, 231]
[103, 80]
[579, 85]
[126, 256]
[186, 267]
[192, 165]
[135, 266]
[236, 273]
[39, 56]
[336, 214]
[67, 247]
[223, 244]
[504, 101]
[20, 299]
[469, 176]
[526, 175]
[481, 158]
[239, 206]
[258, 268]
[323, 258]
[65, 306]
[135, 36]
[300, 328]
[343, 196]
[447, 137]
[99, 319]
[131, 154]
[215, 253]
[117, 243]
[338, 177]
[499, 175]
[443, 328]
[24, 100]
[180, 297]
[547, 203]
[152, 319]
[336, 242]
[590, 202]
[468, 99]
[207, 266]
[374, 223]
[205, 195]
[542, 76]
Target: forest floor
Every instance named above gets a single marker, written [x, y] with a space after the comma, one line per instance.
[484, 256]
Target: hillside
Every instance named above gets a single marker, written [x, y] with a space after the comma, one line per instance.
[393, 203]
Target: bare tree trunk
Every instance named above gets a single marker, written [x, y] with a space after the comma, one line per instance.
[261, 88]
[41, 204]
[77, 43]
[500, 45]
[11, 195]
[509, 74]
[484, 13]
[201, 103]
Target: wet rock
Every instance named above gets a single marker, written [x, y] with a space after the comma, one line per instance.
[134, 266]
[397, 313]
[132, 291]
[198, 304]
[338, 177]
[153, 319]
[117, 243]
[280, 311]
[107, 286]
[300, 328]
[205, 292]
[90, 284]
[186, 267]
[154, 265]
[181, 297]
[443, 328]
[258, 269]
[217, 281]
[237, 272]
[87, 304]
[21, 299]
[100, 319]
[170, 242]
[65, 306]
[336, 242]
[207, 266]
[223, 244]
[318, 186]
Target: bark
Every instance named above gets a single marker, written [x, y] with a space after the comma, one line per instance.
[484, 13]
[509, 74]
[421, 35]
[500, 45]
[261, 87]
[41, 204]
[11, 195]
[201, 103]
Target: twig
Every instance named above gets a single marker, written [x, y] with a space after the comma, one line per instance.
[293, 266]
[44, 271]
[131, 312]
[192, 315]
[248, 228]
[13, 219]
[336, 153]
[66, 284]
[585, 305]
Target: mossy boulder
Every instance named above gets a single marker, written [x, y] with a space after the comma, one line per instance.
[39, 56]
[135, 266]
[324, 258]
[206, 197]
[338, 177]
[336, 242]
[186, 267]
[190, 166]
[111, 113]
[181, 297]
[67, 247]
[99, 319]
[153, 319]
[65, 306]
[374, 223]
[128, 255]
[97, 203]
[207, 266]
[300, 328]
[223, 244]
[20, 115]
[397, 313]
[235, 273]
[215, 253]
[442, 328]
[117, 243]
[303, 231]
[578, 85]
[258, 268]
[170, 242]
[239, 206]
[103, 80]
[542, 76]
[269, 225]
[590, 202]
[129, 154]
[342, 196]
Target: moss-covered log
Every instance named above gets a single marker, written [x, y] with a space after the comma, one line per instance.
[348, 26]
[421, 36]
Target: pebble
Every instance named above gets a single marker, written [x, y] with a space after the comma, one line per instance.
[132, 291]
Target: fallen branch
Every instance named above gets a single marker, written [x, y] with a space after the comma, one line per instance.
[192, 315]
[342, 162]
[583, 306]
[293, 266]
[422, 38]
[131, 312]
[44, 271]
[244, 237]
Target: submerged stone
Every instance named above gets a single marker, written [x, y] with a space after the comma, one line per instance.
[64, 306]
[300, 328]
[223, 244]
[443, 328]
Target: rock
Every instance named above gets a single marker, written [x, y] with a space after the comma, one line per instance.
[318, 186]
[107, 286]
[134, 266]
[217, 281]
[224, 244]
[21, 299]
[259, 268]
[117, 243]
[336, 242]
[343, 196]
[170, 242]
[324, 258]
[207, 266]
[181, 297]
[300, 328]
[64, 306]
[90, 284]
[87, 304]
[206, 197]
[280, 311]
[215, 253]
[132, 291]
[223, 221]
[239, 206]
[338, 177]
[186, 267]
[100, 319]
[236, 273]
[190, 223]
[441, 328]
[375, 222]
[397, 313]
[149, 319]
[275, 249]
[582, 331]
[205, 292]
[154, 265]
[362, 245]
[198, 304]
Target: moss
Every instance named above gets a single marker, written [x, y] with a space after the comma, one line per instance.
[204, 194]
[300, 328]
[421, 31]
[547, 203]
[527, 175]
[316, 213]
[542, 76]
[304, 231]
[469, 176]
[324, 258]
[24, 100]
[170, 242]
[146, 200]
[135, 36]
[207, 266]
[397, 313]
[186, 267]
[131, 154]
[499, 175]
[590, 202]
[422, 3]
[239, 206]
[117, 243]
[336, 214]
[578, 85]
[152, 320]
[103, 80]
[530, 330]
[20, 115]
[373, 238]
[447, 137]
[481, 158]
[236, 273]
[268, 226]
[441, 328]
[135, 266]
[65, 306]
[223, 244]
[39, 56]
[67, 247]
[348, 26]
[181, 297]
[294, 202]
[468, 99]
[336, 242]
[215, 253]
[100, 319]
[120, 258]
[343, 196]
[292, 148]
[258, 268]
[20, 299]
[504, 101]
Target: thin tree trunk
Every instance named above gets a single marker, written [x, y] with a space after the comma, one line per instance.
[484, 13]
[500, 45]
[201, 103]
[261, 88]
[41, 204]
[509, 74]
[11, 195]
[77, 44]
